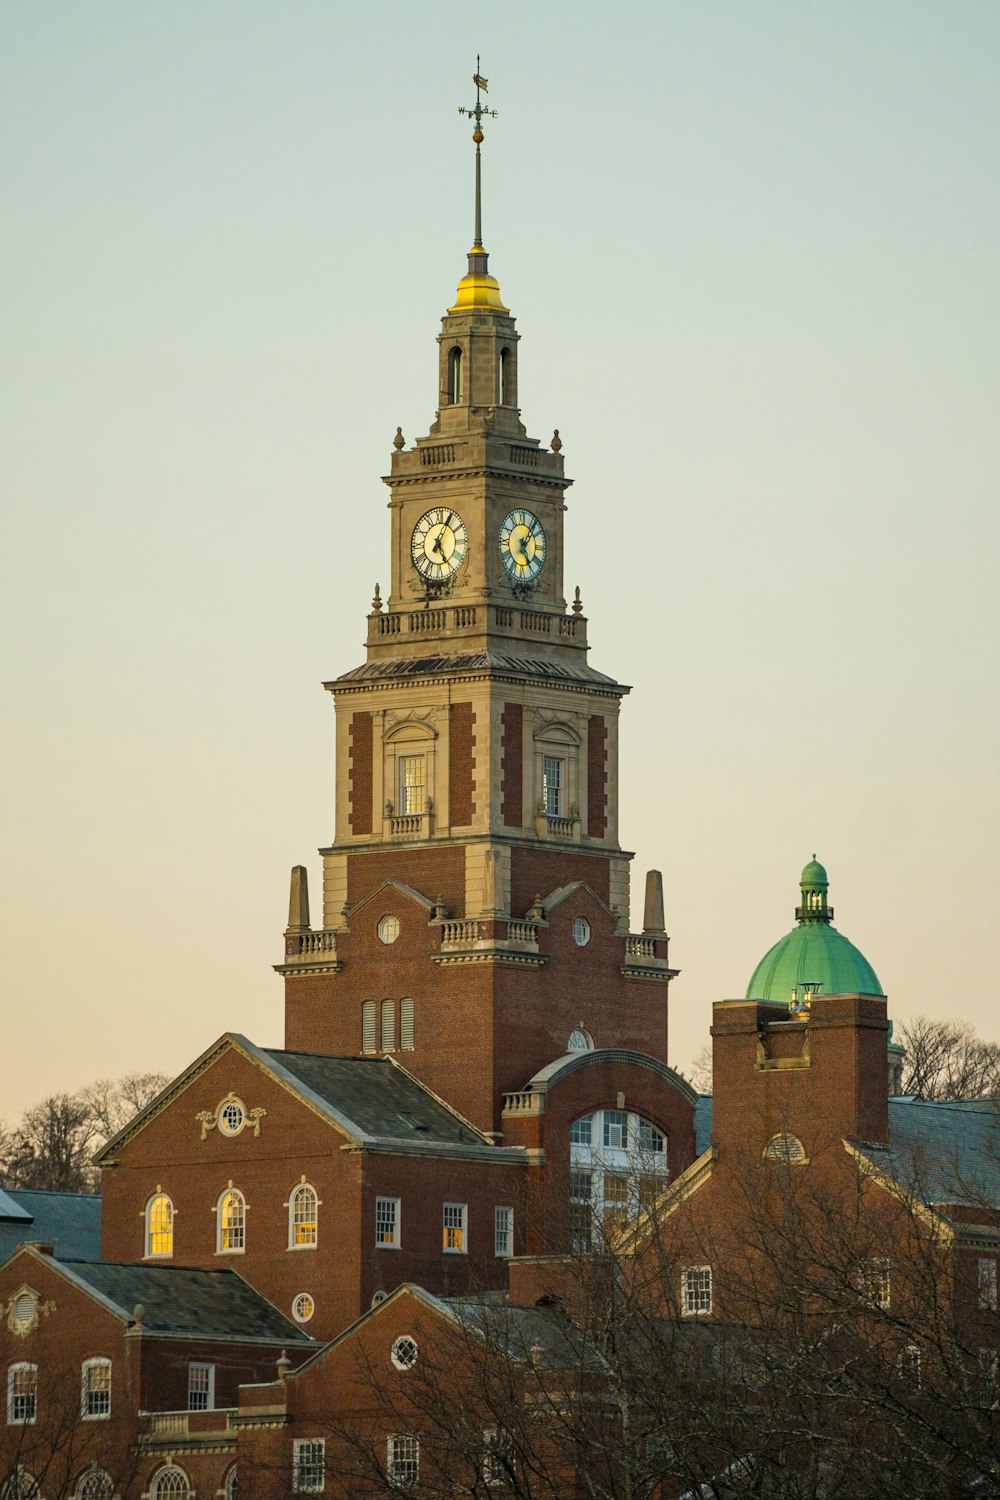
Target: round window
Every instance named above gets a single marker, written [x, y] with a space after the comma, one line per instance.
[232, 1117]
[404, 1352]
[581, 932]
[378, 1298]
[303, 1308]
[388, 929]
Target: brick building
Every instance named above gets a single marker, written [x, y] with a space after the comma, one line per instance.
[475, 1086]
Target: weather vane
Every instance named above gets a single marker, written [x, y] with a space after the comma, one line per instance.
[478, 113]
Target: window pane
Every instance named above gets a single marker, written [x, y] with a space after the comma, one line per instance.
[615, 1136]
[308, 1466]
[552, 786]
[201, 1387]
[504, 1231]
[696, 1290]
[387, 1221]
[412, 790]
[97, 1389]
[581, 1131]
[454, 1226]
[404, 1459]
[581, 1208]
[304, 1216]
[232, 1221]
[160, 1226]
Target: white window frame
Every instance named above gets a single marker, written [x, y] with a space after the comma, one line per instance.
[553, 785]
[411, 795]
[875, 1282]
[498, 1455]
[25, 1420]
[988, 1283]
[221, 1227]
[503, 1231]
[150, 1253]
[99, 1362]
[308, 1466]
[203, 1368]
[696, 1292]
[299, 1191]
[458, 1213]
[95, 1484]
[169, 1470]
[404, 1352]
[394, 1243]
[402, 1458]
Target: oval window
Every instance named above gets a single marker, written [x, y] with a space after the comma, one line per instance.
[303, 1308]
[581, 932]
[232, 1117]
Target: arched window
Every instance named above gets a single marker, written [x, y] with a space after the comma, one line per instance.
[95, 1389]
[22, 1486]
[159, 1225]
[231, 1226]
[618, 1168]
[406, 1041]
[229, 1485]
[169, 1481]
[786, 1148]
[303, 1208]
[369, 1038]
[504, 393]
[95, 1484]
[388, 1026]
[455, 376]
[580, 1040]
[22, 1394]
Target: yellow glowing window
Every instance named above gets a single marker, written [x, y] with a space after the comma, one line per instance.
[454, 1227]
[304, 1216]
[615, 1201]
[232, 1231]
[412, 784]
[160, 1226]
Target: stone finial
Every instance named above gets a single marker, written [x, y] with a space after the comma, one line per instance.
[537, 1354]
[138, 1315]
[283, 1365]
[298, 900]
[377, 601]
[577, 602]
[652, 917]
[399, 440]
[536, 911]
[440, 909]
[556, 443]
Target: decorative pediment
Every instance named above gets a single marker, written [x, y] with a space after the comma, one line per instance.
[230, 1117]
[25, 1311]
[416, 724]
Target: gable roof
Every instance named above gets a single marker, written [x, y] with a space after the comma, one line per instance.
[372, 1101]
[69, 1222]
[185, 1301]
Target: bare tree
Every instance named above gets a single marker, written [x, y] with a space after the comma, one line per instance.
[53, 1144]
[947, 1060]
[113, 1102]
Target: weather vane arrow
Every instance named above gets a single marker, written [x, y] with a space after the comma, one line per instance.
[478, 113]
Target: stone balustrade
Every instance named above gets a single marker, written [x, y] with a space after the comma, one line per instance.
[527, 1102]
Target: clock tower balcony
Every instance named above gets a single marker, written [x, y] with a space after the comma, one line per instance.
[407, 631]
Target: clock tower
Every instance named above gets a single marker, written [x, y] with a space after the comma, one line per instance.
[475, 894]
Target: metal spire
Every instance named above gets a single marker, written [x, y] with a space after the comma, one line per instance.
[478, 113]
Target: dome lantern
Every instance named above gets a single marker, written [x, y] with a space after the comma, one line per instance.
[814, 958]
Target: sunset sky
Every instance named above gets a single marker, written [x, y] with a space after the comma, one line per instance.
[752, 248]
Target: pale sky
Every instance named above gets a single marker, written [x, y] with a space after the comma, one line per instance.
[752, 251]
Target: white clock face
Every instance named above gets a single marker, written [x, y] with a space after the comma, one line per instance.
[522, 546]
[439, 544]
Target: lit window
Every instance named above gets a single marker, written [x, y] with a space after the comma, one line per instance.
[303, 1307]
[22, 1394]
[988, 1283]
[387, 1221]
[696, 1291]
[403, 1459]
[873, 1282]
[169, 1481]
[95, 1484]
[201, 1387]
[498, 1456]
[406, 1025]
[581, 1132]
[552, 775]
[388, 1026]
[159, 1226]
[581, 928]
[231, 1116]
[308, 1465]
[388, 929]
[303, 1210]
[616, 1202]
[368, 1019]
[503, 1231]
[95, 1389]
[231, 1232]
[615, 1129]
[455, 1215]
[404, 1352]
[412, 786]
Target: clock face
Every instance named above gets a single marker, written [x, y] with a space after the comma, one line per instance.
[439, 544]
[522, 546]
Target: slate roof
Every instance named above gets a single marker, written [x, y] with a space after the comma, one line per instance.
[478, 661]
[376, 1099]
[949, 1151]
[69, 1222]
[186, 1301]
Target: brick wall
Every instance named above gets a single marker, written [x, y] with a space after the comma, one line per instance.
[461, 742]
[597, 794]
[512, 771]
[359, 773]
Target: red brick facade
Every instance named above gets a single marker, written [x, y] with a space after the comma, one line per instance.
[360, 773]
[461, 764]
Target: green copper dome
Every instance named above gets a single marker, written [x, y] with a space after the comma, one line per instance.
[814, 958]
